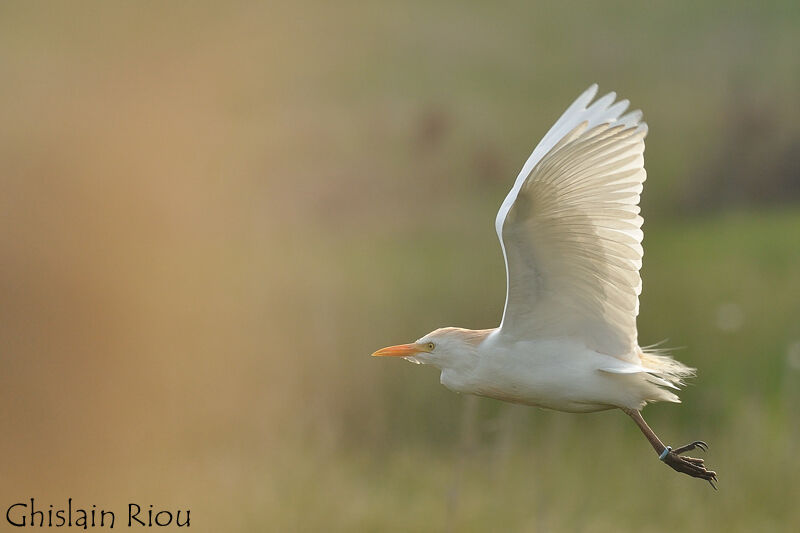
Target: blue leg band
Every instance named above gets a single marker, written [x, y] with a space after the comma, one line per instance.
[665, 453]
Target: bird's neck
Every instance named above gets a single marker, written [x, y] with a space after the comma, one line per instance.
[461, 364]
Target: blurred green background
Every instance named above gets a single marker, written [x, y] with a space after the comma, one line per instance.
[212, 213]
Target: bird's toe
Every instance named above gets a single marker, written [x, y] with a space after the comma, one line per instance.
[690, 466]
[698, 444]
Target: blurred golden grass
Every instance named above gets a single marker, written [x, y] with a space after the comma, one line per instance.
[212, 215]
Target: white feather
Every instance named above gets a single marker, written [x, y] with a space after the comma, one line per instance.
[571, 234]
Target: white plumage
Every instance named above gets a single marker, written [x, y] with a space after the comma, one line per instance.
[570, 233]
[571, 236]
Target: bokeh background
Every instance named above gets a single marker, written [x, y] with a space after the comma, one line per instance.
[212, 213]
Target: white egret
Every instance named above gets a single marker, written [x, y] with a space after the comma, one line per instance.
[570, 232]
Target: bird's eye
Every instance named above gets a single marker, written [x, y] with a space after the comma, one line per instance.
[430, 346]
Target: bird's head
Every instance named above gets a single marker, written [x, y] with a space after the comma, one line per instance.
[444, 347]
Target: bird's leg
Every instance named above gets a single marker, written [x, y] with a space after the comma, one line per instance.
[688, 465]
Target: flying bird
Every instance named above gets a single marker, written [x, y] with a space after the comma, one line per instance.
[570, 233]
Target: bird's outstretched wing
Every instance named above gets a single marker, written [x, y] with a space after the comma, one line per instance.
[571, 233]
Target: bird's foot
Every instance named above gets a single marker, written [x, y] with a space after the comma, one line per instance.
[689, 465]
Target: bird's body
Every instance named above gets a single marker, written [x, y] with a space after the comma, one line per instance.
[570, 232]
[557, 374]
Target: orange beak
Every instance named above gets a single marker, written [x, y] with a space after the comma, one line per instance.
[401, 350]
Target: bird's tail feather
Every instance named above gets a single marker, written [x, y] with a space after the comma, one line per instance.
[660, 372]
[658, 363]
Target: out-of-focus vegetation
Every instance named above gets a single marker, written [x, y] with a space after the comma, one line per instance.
[213, 212]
